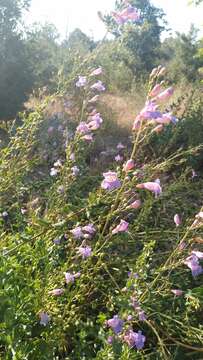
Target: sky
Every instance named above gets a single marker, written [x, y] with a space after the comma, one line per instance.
[70, 14]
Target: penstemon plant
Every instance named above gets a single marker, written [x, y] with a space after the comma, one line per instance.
[97, 267]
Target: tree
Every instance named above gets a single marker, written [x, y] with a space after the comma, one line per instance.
[180, 56]
[44, 53]
[15, 77]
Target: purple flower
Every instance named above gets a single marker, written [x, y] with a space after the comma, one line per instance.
[133, 275]
[70, 278]
[85, 251]
[118, 158]
[110, 340]
[83, 128]
[142, 315]
[75, 170]
[44, 318]
[56, 292]
[57, 241]
[61, 189]
[82, 81]
[182, 245]
[177, 292]
[115, 324]
[77, 232]
[151, 186]
[177, 220]
[88, 137]
[96, 122]
[120, 146]
[135, 204]
[134, 339]
[122, 227]
[72, 157]
[110, 181]
[98, 86]
[96, 72]
[50, 130]
[193, 263]
[90, 229]
[194, 174]
[130, 317]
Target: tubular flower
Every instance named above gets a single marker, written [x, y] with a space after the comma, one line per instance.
[122, 227]
[70, 278]
[118, 158]
[134, 339]
[177, 220]
[177, 292]
[115, 324]
[156, 90]
[110, 181]
[151, 186]
[82, 128]
[44, 318]
[98, 86]
[82, 81]
[96, 122]
[85, 251]
[56, 292]
[77, 232]
[165, 95]
[96, 72]
[135, 204]
[193, 263]
[129, 165]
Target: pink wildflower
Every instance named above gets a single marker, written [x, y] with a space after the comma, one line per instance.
[98, 86]
[197, 253]
[151, 186]
[96, 72]
[122, 227]
[155, 91]
[135, 205]
[158, 128]
[56, 292]
[177, 220]
[130, 164]
[165, 95]
[177, 292]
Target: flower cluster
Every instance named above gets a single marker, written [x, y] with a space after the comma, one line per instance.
[192, 262]
[131, 338]
[130, 13]
[84, 129]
